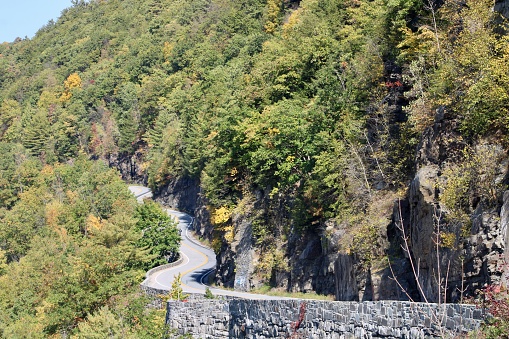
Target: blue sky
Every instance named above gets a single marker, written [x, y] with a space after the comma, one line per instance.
[20, 18]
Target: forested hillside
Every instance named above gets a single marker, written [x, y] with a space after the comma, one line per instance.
[315, 132]
[72, 246]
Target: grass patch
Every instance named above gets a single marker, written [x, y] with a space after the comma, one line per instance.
[267, 290]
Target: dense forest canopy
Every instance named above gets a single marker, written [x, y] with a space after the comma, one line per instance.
[322, 101]
[72, 244]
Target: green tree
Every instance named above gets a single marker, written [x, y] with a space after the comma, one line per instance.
[159, 233]
[10, 111]
[176, 292]
[103, 324]
[127, 116]
[38, 137]
[3, 262]
[208, 293]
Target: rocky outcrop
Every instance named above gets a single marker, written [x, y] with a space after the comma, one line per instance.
[312, 265]
[424, 214]
[244, 253]
[315, 261]
[473, 258]
[180, 193]
[129, 166]
[384, 279]
[346, 283]
[202, 225]
[236, 260]
[226, 268]
[502, 7]
[504, 232]
[309, 260]
[440, 143]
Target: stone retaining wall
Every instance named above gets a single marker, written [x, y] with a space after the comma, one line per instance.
[154, 292]
[239, 318]
[162, 267]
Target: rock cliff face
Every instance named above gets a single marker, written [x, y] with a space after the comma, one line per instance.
[242, 264]
[502, 6]
[475, 256]
[504, 232]
[314, 260]
[130, 167]
[181, 194]
[242, 253]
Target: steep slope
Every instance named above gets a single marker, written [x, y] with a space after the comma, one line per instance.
[289, 128]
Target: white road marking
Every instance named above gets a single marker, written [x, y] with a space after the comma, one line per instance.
[158, 273]
[207, 272]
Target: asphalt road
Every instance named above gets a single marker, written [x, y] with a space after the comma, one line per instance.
[199, 261]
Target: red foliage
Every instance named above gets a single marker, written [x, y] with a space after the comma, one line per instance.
[496, 297]
[496, 301]
[295, 325]
[395, 84]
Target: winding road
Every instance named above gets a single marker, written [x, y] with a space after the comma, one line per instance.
[198, 261]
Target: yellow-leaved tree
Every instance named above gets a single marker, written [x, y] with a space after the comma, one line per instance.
[273, 14]
[72, 81]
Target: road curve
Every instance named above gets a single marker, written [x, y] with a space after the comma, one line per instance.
[140, 192]
[198, 261]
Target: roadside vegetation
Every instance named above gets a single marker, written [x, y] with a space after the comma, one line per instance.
[268, 290]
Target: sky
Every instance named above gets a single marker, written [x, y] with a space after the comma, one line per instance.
[20, 18]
